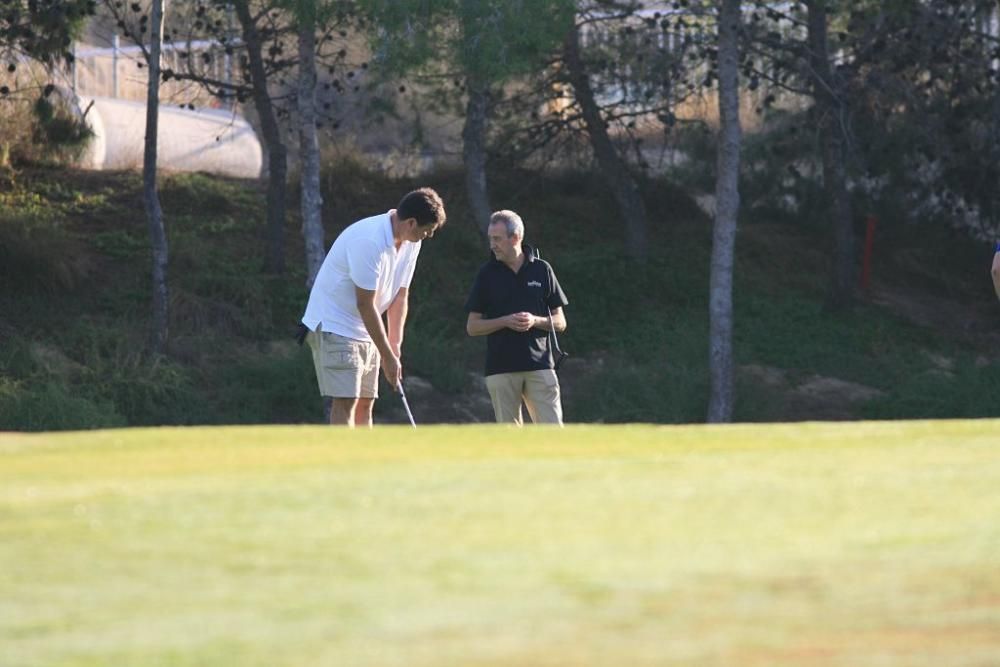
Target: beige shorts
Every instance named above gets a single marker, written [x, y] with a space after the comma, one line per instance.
[345, 368]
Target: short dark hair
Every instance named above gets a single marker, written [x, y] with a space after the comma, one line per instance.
[424, 204]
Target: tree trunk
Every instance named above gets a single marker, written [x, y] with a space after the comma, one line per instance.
[727, 197]
[844, 279]
[832, 110]
[474, 155]
[989, 203]
[151, 199]
[277, 154]
[623, 186]
[311, 201]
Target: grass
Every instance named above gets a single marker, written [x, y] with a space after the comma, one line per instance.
[811, 544]
[74, 305]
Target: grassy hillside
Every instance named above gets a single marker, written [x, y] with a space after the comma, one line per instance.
[842, 545]
[74, 275]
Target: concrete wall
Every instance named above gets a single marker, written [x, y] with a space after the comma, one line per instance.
[211, 141]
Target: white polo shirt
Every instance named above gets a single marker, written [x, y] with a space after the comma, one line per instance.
[364, 255]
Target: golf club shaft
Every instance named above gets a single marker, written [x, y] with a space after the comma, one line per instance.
[406, 404]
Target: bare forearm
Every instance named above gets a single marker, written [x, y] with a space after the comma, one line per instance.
[373, 324]
[557, 323]
[396, 317]
[484, 327]
[523, 321]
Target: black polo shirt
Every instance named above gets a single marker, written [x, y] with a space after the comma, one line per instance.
[498, 291]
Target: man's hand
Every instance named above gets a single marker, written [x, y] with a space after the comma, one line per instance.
[520, 321]
[393, 371]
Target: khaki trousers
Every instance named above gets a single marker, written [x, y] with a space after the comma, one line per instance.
[538, 389]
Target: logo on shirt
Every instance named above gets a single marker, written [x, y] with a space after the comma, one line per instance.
[534, 283]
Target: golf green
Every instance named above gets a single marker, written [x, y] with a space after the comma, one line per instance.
[797, 544]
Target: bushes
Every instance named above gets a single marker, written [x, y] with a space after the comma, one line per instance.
[276, 385]
[209, 198]
[969, 390]
[51, 407]
[43, 129]
[439, 350]
[15, 132]
[110, 382]
[72, 338]
[36, 253]
[146, 391]
[58, 130]
[146, 394]
[657, 388]
[92, 375]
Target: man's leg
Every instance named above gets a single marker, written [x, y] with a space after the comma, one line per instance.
[541, 395]
[339, 371]
[505, 393]
[363, 412]
[368, 386]
[342, 411]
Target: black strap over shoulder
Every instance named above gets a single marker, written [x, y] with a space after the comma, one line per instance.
[558, 356]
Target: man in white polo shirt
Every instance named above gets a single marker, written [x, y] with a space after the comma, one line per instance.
[367, 273]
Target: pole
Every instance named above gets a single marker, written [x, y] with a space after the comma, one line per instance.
[114, 66]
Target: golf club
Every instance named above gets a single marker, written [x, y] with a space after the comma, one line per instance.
[406, 404]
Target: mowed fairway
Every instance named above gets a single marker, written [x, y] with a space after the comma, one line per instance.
[800, 544]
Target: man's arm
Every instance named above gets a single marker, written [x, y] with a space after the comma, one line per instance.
[996, 272]
[558, 321]
[373, 324]
[396, 316]
[477, 326]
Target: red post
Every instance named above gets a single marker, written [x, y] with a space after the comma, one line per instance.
[866, 262]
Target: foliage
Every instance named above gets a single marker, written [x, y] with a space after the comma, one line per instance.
[36, 253]
[918, 86]
[636, 333]
[648, 64]
[967, 391]
[205, 195]
[52, 406]
[41, 30]
[455, 51]
[490, 41]
[343, 69]
[663, 380]
[144, 389]
[40, 129]
[937, 97]
[58, 129]
[275, 386]
[36, 36]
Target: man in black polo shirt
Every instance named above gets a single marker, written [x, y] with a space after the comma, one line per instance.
[515, 302]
